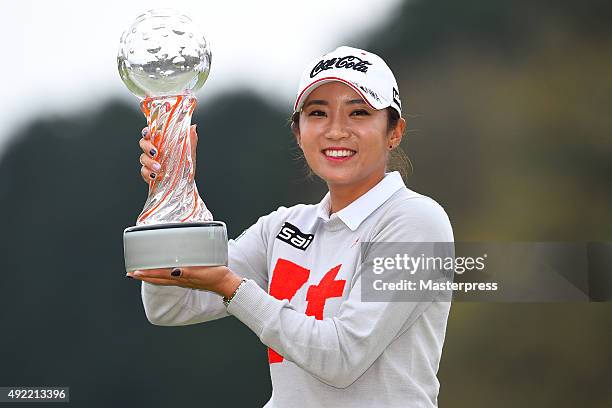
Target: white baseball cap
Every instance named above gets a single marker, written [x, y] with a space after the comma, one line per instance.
[363, 71]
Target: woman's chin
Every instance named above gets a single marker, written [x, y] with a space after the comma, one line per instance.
[338, 178]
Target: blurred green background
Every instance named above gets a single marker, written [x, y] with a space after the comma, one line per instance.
[508, 105]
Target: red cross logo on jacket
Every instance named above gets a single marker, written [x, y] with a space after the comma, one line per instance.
[289, 277]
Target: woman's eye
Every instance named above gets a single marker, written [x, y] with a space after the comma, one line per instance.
[316, 113]
[360, 112]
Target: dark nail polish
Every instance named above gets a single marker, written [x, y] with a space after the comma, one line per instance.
[128, 276]
[176, 272]
[152, 152]
[152, 175]
[145, 132]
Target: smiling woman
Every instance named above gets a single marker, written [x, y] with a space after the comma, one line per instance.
[345, 141]
[295, 276]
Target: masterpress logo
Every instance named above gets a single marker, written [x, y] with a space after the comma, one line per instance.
[429, 267]
[486, 272]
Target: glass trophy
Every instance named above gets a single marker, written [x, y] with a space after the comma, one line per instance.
[164, 59]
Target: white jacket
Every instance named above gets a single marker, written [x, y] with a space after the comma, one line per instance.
[303, 300]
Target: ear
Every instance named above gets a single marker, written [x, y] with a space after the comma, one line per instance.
[397, 133]
[298, 137]
[296, 132]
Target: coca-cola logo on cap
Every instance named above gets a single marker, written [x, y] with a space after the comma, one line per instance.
[348, 62]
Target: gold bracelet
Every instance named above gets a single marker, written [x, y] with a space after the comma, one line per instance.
[226, 301]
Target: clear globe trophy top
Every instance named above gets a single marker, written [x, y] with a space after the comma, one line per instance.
[163, 53]
[163, 59]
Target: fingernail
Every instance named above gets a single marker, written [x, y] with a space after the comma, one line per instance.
[156, 166]
[136, 273]
[152, 175]
[128, 276]
[176, 272]
[145, 131]
[152, 152]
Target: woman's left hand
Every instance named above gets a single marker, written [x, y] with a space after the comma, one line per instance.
[218, 279]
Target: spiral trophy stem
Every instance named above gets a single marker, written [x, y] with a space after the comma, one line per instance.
[173, 197]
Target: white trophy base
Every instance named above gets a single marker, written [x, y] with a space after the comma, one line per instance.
[175, 244]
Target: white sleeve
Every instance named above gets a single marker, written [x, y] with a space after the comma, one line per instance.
[176, 306]
[338, 350]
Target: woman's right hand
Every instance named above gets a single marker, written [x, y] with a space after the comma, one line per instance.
[151, 169]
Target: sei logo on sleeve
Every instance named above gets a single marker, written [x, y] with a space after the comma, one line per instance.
[292, 235]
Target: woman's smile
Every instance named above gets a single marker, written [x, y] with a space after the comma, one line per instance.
[338, 154]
